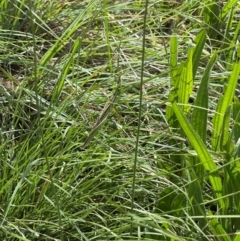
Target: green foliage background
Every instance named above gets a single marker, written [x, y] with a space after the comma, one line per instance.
[119, 120]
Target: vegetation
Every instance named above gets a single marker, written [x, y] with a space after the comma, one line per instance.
[119, 120]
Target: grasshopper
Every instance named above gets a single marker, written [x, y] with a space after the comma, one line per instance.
[102, 117]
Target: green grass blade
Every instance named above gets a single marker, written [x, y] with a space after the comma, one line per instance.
[186, 81]
[211, 17]
[200, 111]
[202, 152]
[14, 194]
[173, 60]
[226, 43]
[223, 104]
[237, 237]
[227, 8]
[174, 80]
[231, 191]
[236, 118]
[60, 83]
[65, 37]
[200, 42]
[195, 191]
[200, 115]
[232, 44]
[225, 138]
[217, 229]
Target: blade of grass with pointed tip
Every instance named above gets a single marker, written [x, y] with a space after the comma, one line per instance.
[186, 81]
[212, 18]
[174, 80]
[65, 37]
[223, 104]
[202, 152]
[200, 42]
[59, 85]
[200, 115]
[16, 189]
[232, 44]
[227, 42]
[200, 111]
[173, 60]
[226, 8]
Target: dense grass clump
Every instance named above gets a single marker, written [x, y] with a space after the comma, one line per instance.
[119, 120]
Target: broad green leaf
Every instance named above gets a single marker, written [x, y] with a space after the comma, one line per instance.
[223, 104]
[202, 152]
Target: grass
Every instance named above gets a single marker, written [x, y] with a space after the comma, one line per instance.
[160, 161]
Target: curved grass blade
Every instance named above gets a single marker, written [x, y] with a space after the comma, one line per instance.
[200, 111]
[232, 45]
[200, 115]
[227, 8]
[225, 138]
[202, 152]
[60, 83]
[65, 37]
[174, 80]
[173, 59]
[212, 18]
[186, 81]
[223, 104]
[200, 42]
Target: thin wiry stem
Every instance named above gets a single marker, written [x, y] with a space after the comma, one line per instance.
[140, 107]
